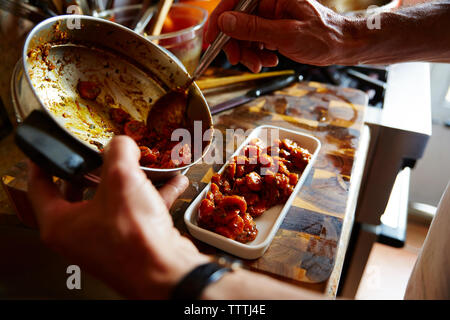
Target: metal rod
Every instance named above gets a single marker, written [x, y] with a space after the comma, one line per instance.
[246, 6]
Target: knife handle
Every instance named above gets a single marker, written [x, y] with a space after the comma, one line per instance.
[275, 84]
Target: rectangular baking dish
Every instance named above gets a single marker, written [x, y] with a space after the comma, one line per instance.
[269, 222]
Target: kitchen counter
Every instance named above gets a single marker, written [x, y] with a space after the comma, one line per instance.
[309, 248]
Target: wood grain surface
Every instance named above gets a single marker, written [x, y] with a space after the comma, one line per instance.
[305, 247]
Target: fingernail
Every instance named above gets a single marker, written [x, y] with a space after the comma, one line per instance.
[228, 22]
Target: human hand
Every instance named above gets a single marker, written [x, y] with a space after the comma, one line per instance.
[125, 234]
[302, 30]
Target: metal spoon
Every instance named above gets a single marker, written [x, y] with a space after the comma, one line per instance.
[170, 109]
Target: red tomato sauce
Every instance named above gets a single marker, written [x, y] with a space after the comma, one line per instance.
[253, 182]
[156, 149]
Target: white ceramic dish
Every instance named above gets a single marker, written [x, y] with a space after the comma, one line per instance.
[269, 222]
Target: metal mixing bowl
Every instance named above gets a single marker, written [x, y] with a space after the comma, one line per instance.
[134, 72]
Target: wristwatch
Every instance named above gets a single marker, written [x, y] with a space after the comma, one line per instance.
[191, 286]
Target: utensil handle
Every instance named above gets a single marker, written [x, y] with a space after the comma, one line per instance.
[158, 21]
[246, 6]
[275, 84]
[210, 83]
[54, 149]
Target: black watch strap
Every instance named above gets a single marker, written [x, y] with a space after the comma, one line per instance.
[192, 285]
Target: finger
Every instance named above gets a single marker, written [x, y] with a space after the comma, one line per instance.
[269, 46]
[251, 60]
[122, 148]
[268, 59]
[121, 167]
[233, 52]
[44, 195]
[242, 26]
[212, 29]
[173, 189]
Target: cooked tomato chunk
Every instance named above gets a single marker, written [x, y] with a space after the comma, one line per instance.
[300, 158]
[118, 115]
[249, 231]
[148, 156]
[135, 129]
[253, 182]
[156, 148]
[233, 203]
[88, 89]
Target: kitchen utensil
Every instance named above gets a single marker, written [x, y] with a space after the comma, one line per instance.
[95, 6]
[23, 10]
[179, 94]
[269, 222]
[157, 22]
[168, 111]
[109, 4]
[143, 15]
[85, 9]
[275, 84]
[210, 83]
[144, 20]
[61, 131]
[246, 6]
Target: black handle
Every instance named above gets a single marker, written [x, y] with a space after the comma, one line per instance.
[54, 149]
[275, 84]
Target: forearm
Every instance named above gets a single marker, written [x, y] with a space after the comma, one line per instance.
[419, 33]
[246, 285]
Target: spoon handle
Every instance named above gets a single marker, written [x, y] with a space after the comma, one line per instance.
[246, 6]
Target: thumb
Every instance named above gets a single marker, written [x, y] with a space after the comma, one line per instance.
[173, 189]
[243, 26]
[121, 173]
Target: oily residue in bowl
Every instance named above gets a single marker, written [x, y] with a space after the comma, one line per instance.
[56, 72]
